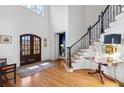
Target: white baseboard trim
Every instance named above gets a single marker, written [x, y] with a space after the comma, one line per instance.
[68, 69]
[46, 60]
[54, 59]
[62, 57]
[57, 59]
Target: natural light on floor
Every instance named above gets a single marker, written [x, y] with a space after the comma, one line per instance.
[44, 64]
[33, 67]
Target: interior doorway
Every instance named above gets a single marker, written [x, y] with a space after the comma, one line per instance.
[30, 49]
[60, 45]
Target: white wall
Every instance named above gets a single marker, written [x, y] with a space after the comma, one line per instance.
[92, 13]
[76, 23]
[17, 20]
[58, 18]
[58, 23]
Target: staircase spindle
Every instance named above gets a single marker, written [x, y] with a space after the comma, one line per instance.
[89, 31]
[113, 12]
[108, 18]
[119, 9]
[102, 24]
[110, 15]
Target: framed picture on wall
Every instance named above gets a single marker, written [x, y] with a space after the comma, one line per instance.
[5, 39]
[0, 38]
[45, 42]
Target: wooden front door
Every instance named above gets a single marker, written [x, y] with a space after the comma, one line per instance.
[30, 48]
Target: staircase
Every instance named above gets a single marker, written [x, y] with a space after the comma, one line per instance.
[94, 36]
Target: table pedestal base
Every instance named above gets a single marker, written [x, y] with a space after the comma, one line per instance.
[101, 73]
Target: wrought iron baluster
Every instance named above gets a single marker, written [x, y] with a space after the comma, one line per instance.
[102, 22]
[108, 18]
[113, 12]
[116, 10]
[110, 15]
[120, 8]
[90, 35]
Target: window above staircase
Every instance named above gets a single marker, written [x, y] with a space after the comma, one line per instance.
[38, 9]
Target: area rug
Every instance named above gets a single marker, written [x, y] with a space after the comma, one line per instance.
[32, 69]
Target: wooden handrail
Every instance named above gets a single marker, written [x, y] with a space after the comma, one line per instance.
[78, 40]
[95, 24]
[106, 9]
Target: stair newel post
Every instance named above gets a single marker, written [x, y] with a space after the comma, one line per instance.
[89, 31]
[69, 56]
[102, 22]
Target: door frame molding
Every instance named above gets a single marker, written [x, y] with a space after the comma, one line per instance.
[32, 35]
[57, 33]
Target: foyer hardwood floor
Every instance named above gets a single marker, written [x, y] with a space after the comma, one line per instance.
[57, 76]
